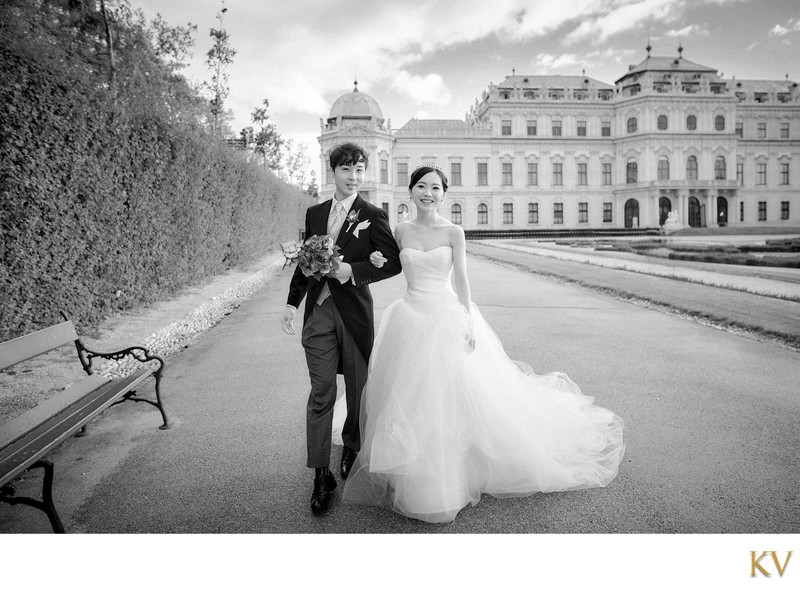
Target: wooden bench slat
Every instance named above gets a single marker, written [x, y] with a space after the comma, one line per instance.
[36, 343]
[20, 454]
[44, 411]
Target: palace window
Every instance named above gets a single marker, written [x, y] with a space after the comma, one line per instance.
[691, 122]
[607, 210]
[533, 174]
[508, 178]
[402, 211]
[533, 212]
[740, 129]
[761, 130]
[720, 171]
[505, 127]
[483, 174]
[581, 127]
[483, 214]
[556, 127]
[761, 174]
[719, 123]
[455, 174]
[740, 173]
[784, 129]
[583, 176]
[531, 127]
[605, 129]
[632, 172]
[662, 122]
[455, 214]
[384, 171]
[558, 177]
[784, 174]
[785, 210]
[691, 168]
[632, 124]
[741, 212]
[385, 207]
[558, 213]
[762, 210]
[663, 169]
[583, 212]
[508, 213]
[402, 174]
[606, 174]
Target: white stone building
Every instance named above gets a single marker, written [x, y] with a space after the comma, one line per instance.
[573, 153]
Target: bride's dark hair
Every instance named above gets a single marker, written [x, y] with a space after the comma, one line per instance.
[423, 170]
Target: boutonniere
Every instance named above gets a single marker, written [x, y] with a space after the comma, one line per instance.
[360, 227]
[352, 219]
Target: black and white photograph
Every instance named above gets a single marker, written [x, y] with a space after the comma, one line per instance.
[425, 294]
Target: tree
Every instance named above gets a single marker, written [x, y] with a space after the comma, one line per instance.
[312, 189]
[218, 58]
[266, 143]
[297, 165]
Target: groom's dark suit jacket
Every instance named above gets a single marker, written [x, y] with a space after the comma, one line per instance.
[354, 301]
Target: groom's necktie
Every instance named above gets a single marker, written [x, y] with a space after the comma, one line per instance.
[335, 222]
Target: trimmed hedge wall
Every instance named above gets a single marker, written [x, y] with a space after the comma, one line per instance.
[105, 205]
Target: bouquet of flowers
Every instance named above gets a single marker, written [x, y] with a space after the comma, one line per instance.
[318, 256]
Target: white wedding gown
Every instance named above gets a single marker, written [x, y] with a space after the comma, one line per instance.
[441, 425]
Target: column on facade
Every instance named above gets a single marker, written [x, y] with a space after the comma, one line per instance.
[712, 204]
[684, 209]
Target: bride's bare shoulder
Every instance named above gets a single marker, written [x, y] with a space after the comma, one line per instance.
[400, 230]
[455, 232]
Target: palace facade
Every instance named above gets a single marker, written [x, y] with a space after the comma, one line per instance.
[572, 152]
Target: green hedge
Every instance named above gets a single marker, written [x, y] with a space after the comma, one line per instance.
[107, 204]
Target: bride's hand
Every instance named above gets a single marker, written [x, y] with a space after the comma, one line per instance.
[470, 341]
[377, 259]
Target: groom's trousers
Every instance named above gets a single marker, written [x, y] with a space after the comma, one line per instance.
[325, 338]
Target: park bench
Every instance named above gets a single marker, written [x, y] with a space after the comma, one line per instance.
[28, 438]
[289, 252]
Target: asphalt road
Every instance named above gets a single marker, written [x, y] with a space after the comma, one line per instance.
[712, 425]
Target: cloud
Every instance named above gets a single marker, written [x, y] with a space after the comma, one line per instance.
[689, 31]
[571, 63]
[428, 89]
[620, 16]
[778, 30]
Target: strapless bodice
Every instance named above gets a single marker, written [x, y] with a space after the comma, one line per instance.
[428, 273]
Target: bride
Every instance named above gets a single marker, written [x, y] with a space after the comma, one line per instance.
[446, 414]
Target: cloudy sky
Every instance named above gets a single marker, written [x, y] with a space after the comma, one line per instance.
[433, 58]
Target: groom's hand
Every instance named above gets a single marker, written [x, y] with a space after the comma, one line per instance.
[343, 273]
[287, 322]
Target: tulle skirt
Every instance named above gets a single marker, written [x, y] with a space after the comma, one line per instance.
[443, 424]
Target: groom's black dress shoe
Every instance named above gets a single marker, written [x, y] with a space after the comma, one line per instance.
[324, 485]
[348, 457]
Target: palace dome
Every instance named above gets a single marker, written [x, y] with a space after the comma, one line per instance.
[356, 105]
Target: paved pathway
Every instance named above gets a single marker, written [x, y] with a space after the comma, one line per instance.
[712, 428]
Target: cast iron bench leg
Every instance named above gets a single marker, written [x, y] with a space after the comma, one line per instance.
[46, 504]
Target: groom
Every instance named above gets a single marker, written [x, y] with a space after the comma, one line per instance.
[338, 322]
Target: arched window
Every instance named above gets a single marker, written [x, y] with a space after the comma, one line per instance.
[662, 122]
[719, 123]
[632, 172]
[455, 214]
[663, 168]
[508, 212]
[720, 172]
[402, 212]
[691, 168]
[691, 122]
[632, 124]
[483, 214]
